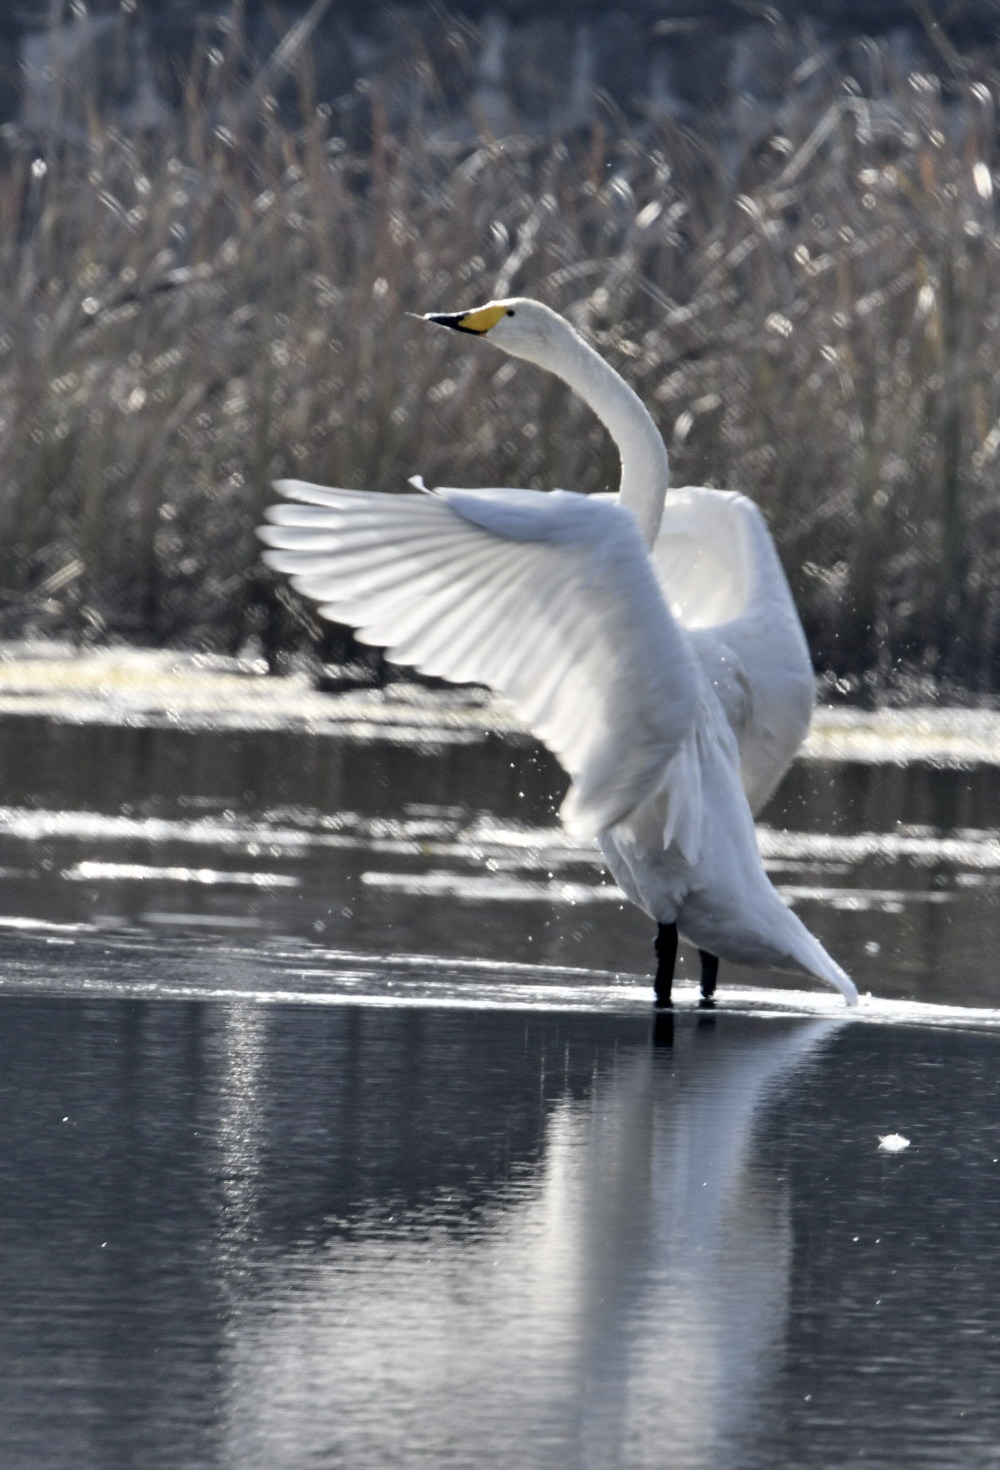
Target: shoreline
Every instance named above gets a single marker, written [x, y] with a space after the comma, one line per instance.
[149, 688]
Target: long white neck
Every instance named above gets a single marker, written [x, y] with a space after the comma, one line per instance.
[645, 467]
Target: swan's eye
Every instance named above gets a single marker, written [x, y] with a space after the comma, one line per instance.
[510, 311]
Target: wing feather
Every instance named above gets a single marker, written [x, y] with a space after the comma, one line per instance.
[550, 599]
[720, 572]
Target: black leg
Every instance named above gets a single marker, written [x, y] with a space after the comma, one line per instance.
[666, 958]
[709, 975]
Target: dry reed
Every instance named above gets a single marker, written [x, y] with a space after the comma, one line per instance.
[811, 313]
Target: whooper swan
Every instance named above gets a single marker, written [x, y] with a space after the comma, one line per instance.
[657, 654]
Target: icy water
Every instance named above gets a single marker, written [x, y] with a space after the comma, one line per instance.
[335, 1130]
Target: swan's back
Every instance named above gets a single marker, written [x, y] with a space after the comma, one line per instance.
[723, 579]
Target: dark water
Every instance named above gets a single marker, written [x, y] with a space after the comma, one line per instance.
[278, 1192]
[237, 1235]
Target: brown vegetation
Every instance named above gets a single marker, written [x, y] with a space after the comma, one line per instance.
[811, 312]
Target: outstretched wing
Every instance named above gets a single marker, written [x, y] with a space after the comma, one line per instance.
[722, 577]
[547, 598]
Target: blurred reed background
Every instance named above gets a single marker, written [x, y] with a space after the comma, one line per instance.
[811, 314]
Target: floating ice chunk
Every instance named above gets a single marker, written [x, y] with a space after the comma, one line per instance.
[892, 1143]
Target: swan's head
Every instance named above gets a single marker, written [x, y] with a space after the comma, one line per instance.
[517, 325]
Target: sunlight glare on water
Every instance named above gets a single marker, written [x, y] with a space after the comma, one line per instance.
[370, 846]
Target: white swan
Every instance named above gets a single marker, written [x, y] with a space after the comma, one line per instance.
[667, 672]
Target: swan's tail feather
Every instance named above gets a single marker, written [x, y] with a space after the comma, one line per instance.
[810, 956]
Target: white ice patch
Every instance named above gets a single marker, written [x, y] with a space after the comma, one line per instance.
[892, 1143]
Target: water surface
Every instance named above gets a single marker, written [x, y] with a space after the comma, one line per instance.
[335, 1129]
[451, 848]
[349, 1236]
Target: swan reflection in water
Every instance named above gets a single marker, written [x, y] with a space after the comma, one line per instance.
[623, 1300]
